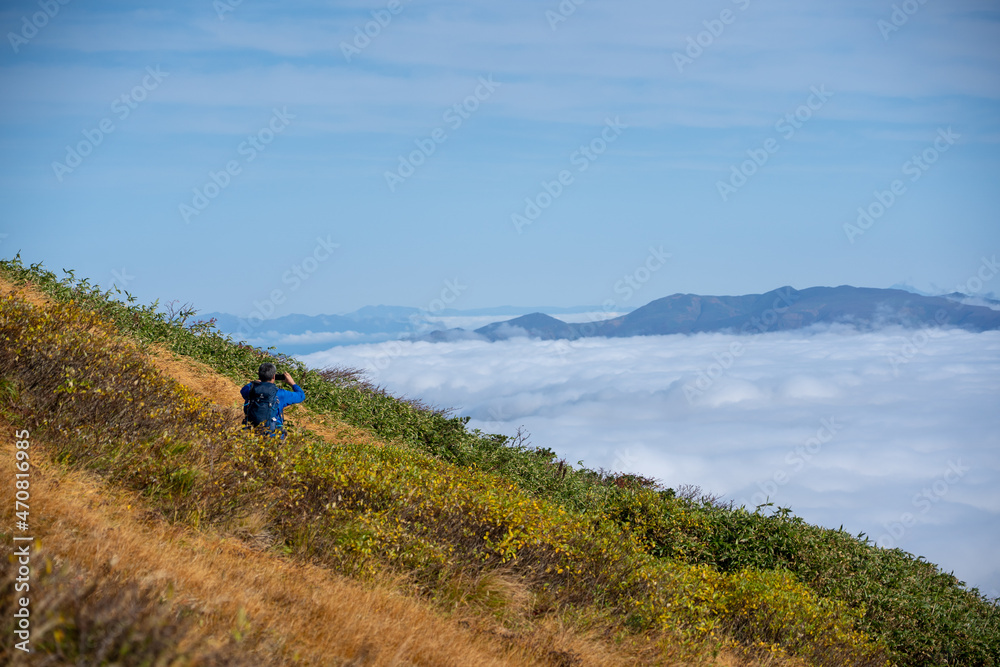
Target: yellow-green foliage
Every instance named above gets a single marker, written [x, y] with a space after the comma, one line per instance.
[924, 616]
[361, 507]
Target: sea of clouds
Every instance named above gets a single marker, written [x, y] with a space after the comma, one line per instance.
[894, 433]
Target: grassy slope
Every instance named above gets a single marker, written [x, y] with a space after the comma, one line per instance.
[230, 595]
[922, 614]
[229, 603]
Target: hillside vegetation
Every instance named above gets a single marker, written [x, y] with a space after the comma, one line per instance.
[482, 527]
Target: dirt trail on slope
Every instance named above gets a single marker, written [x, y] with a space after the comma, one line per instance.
[205, 382]
[223, 392]
[306, 614]
[30, 294]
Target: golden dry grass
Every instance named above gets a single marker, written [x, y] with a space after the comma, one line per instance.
[29, 293]
[225, 394]
[206, 383]
[299, 613]
[305, 614]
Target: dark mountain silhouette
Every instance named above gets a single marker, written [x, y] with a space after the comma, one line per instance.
[779, 310]
[536, 325]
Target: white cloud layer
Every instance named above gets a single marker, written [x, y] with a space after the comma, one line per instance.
[894, 433]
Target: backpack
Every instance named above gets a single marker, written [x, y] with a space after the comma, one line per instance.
[261, 408]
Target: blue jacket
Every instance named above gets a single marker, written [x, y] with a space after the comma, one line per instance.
[285, 398]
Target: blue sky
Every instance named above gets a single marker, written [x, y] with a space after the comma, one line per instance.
[307, 221]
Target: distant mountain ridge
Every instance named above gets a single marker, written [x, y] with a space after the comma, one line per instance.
[537, 325]
[369, 319]
[303, 334]
[783, 309]
[778, 310]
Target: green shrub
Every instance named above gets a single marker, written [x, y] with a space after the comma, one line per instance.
[925, 616]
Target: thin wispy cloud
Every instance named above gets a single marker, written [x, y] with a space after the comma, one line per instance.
[370, 90]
